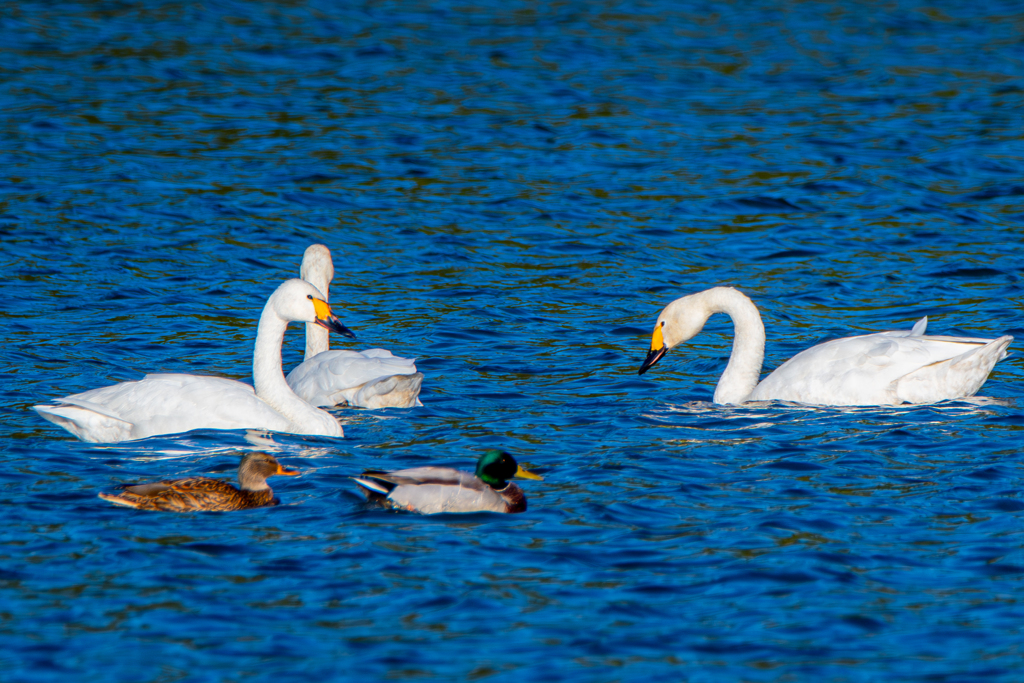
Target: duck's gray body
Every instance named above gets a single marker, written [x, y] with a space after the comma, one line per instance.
[430, 490]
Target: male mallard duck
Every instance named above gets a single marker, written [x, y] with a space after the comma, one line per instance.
[205, 494]
[885, 368]
[429, 490]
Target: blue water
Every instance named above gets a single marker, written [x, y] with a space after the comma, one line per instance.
[512, 191]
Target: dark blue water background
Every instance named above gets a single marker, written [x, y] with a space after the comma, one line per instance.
[512, 191]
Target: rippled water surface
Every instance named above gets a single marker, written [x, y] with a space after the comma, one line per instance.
[512, 191]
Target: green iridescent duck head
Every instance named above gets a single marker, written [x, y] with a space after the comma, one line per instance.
[495, 468]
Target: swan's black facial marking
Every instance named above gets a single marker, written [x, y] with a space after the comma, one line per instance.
[653, 356]
[658, 348]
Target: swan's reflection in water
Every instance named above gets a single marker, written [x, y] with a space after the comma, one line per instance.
[203, 443]
[774, 411]
[712, 424]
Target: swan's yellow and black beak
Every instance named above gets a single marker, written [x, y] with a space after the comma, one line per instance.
[324, 318]
[526, 474]
[658, 349]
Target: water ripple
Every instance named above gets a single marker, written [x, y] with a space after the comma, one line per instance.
[511, 193]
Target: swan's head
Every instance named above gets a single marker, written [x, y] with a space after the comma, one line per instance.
[318, 268]
[680, 321]
[298, 301]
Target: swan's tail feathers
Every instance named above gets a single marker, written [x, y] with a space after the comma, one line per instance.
[395, 391]
[919, 327]
[87, 424]
[119, 500]
[959, 377]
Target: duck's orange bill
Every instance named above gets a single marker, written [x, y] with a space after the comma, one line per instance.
[286, 471]
[524, 474]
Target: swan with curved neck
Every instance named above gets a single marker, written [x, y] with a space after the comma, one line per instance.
[373, 378]
[174, 403]
[885, 368]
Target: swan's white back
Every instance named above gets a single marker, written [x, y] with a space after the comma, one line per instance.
[886, 368]
[163, 404]
[334, 377]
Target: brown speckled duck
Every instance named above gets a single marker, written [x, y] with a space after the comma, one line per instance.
[196, 494]
[429, 490]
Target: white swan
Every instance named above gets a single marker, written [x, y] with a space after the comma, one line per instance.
[887, 368]
[373, 378]
[173, 403]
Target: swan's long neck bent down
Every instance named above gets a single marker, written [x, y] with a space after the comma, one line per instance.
[317, 270]
[269, 381]
[744, 368]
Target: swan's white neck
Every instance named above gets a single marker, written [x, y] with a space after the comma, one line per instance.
[317, 338]
[744, 369]
[269, 381]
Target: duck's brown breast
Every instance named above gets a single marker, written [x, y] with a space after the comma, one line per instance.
[515, 499]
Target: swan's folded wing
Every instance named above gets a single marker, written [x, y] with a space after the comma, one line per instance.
[86, 424]
[383, 353]
[169, 404]
[858, 370]
[322, 379]
[394, 391]
[960, 376]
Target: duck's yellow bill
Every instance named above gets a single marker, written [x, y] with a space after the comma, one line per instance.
[524, 474]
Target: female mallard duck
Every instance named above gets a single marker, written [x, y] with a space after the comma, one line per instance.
[429, 490]
[195, 494]
[373, 378]
[885, 368]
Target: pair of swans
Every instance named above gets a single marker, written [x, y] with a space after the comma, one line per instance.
[886, 368]
[174, 403]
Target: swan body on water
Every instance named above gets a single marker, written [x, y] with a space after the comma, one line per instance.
[174, 403]
[886, 368]
[373, 378]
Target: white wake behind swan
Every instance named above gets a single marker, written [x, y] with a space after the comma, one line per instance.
[174, 403]
[373, 378]
[887, 368]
